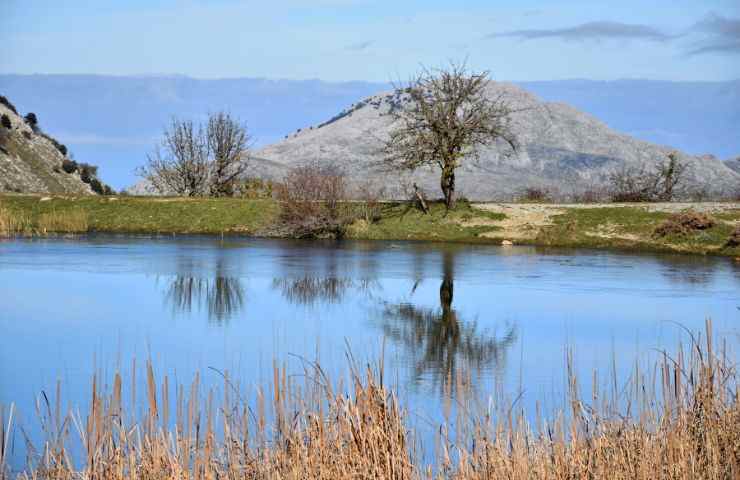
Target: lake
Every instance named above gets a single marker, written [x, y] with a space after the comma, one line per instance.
[501, 318]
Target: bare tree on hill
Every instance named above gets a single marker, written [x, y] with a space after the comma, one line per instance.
[450, 116]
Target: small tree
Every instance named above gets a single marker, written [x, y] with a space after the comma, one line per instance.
[228, 143]
[5, 122]
[450, 116]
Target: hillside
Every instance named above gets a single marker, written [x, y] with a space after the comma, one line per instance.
[31, 162]
[734, 163]
[560, 148]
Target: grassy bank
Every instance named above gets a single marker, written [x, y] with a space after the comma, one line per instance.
[31, 215]
[628, 227]
[679, 419]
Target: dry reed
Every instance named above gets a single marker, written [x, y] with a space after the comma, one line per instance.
[680, 420]
[70, 221]
[12, 223]
[15, 224]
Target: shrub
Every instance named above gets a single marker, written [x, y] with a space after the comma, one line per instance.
[684, 223]
[310, 197]
[254, 188]
[69, 166]
[534, 194]
[32, 121]
[734, 240]
[632, 184]
[589, 196]
[88, 172]
[370, 195]
[5, 122]
[8, 105]
[97, 186]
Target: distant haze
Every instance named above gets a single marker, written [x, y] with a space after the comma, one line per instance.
[114, 121]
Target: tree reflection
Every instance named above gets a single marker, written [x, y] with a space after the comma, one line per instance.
[439, 342]
[313, 290]
[221, 295]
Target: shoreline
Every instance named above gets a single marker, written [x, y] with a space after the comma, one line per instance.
[616, 227]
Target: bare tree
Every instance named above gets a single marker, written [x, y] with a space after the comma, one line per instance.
[193, 160]
[179, 165]
[449, 116]
[228, 143]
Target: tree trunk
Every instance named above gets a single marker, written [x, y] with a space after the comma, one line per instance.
[448, 186]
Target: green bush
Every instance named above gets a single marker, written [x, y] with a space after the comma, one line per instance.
[97, 186]
[5, 121]
[32, 121]
[69, 166]
[88, 172]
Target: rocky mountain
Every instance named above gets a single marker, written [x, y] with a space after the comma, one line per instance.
[560, 149]
[734, 163]
[31, 161]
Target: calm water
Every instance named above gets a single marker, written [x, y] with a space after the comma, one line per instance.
[502, 317]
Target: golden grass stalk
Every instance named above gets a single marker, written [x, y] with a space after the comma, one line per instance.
[679, 420]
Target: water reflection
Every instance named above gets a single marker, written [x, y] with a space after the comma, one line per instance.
[314, 290]
[439, 343]
[219, 294]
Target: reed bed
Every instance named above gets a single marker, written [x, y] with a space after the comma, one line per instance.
[69, 221]
[678, 420]
[14, 223]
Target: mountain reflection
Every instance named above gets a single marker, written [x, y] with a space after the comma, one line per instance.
[222, 296]
[439, 343]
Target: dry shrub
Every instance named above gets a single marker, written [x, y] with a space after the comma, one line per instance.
[69, 221]
[734, 240]
[534, 194]
[684, 223]
[254, 188]
[370, 196]
[681, 420]
[642, 184]
[311, 198]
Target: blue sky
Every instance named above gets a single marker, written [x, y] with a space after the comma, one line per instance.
[378, 40]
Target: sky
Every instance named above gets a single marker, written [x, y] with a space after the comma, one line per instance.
[373, 40]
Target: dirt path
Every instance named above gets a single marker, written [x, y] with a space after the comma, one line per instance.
[524, 220]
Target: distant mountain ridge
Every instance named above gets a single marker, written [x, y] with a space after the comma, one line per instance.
[561, 149]
[115, 121]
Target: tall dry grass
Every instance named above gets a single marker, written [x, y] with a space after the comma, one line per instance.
[12, 223]
[678, 420]
[69, 221]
